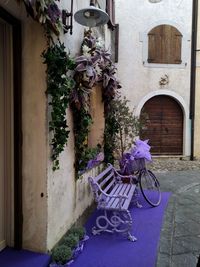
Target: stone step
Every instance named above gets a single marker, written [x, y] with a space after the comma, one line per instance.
[177, 157]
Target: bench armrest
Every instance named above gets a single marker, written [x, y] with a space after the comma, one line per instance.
[120, 177]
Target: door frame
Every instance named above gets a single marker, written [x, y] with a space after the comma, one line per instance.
[185, 109]
[164, 125]
[17, 110]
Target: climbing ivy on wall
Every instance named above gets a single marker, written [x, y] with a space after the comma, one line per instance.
[59, 64]
[59, 88]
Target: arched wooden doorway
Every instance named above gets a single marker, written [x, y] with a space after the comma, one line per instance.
[164, 125]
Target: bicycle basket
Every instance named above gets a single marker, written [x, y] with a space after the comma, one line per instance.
[138, 164]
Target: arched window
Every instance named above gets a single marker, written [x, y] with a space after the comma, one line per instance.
[164, 45]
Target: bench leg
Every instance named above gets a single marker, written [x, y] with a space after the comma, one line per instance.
[129, 222]
[135, 198]
[114, 221]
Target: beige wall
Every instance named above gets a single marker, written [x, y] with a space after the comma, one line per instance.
[34, 139]
[67, 198]
[97, 112]
[52, 201]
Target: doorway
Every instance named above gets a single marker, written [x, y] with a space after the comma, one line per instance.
[6, 137]
[10, 132]
[164, 125]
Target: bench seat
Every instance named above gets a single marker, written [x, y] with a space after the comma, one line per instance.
[125, 190]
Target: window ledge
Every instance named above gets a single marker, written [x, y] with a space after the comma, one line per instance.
[172, 66]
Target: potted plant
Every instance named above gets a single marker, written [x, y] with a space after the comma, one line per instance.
[69, 247]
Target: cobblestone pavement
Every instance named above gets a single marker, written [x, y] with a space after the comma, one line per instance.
[173, 164]
[180, 236]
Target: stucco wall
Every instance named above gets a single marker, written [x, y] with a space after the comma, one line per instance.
[135, 19]
[67, 198]
[34, 139]
[97, 112]
[52, 201]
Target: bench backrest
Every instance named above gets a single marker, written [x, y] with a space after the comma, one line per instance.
[103, 183]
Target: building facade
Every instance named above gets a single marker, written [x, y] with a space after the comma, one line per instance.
[37, 205]
[154, 69]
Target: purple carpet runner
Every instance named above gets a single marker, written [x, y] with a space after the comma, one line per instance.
[113, 250]
[22, 258]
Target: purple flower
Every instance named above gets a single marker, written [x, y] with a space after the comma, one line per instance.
[126, 163]
[53, 12]
[141, 150]
[93, 162]
[129, 161]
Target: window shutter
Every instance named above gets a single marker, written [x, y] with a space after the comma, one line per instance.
[152, 48]
[110, 9]
[177, 53]
[167, 40]
[155, 45]
[164, 45]
[116, 42]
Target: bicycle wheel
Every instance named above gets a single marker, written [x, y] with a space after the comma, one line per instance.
[150, 187]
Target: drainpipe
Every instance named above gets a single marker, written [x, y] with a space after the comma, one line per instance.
[193, 72]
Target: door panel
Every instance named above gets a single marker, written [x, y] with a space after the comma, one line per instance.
[6, 137]
[164, 126]
[2, 142]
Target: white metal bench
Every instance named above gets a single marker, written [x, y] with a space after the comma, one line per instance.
[114, 198]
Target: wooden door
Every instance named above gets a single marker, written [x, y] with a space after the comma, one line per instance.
[2, 148]
[6, 136]
[164, 125]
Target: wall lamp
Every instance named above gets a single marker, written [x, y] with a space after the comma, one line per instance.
[91, 16]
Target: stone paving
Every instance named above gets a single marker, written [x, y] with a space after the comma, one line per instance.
[174, 164]
[180, 237]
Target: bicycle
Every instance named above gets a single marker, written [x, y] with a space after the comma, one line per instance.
[148, 183]
[146, 179]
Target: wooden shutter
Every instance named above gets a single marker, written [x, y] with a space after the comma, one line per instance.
[116, 42]
[110, 9]
[177, 48]
[152, 48]
[164, 45]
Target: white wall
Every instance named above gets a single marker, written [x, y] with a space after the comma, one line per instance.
[135, 19]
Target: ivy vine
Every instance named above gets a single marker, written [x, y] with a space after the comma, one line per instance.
[59, 88]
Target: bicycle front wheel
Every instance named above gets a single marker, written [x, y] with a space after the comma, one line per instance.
[150, 188]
